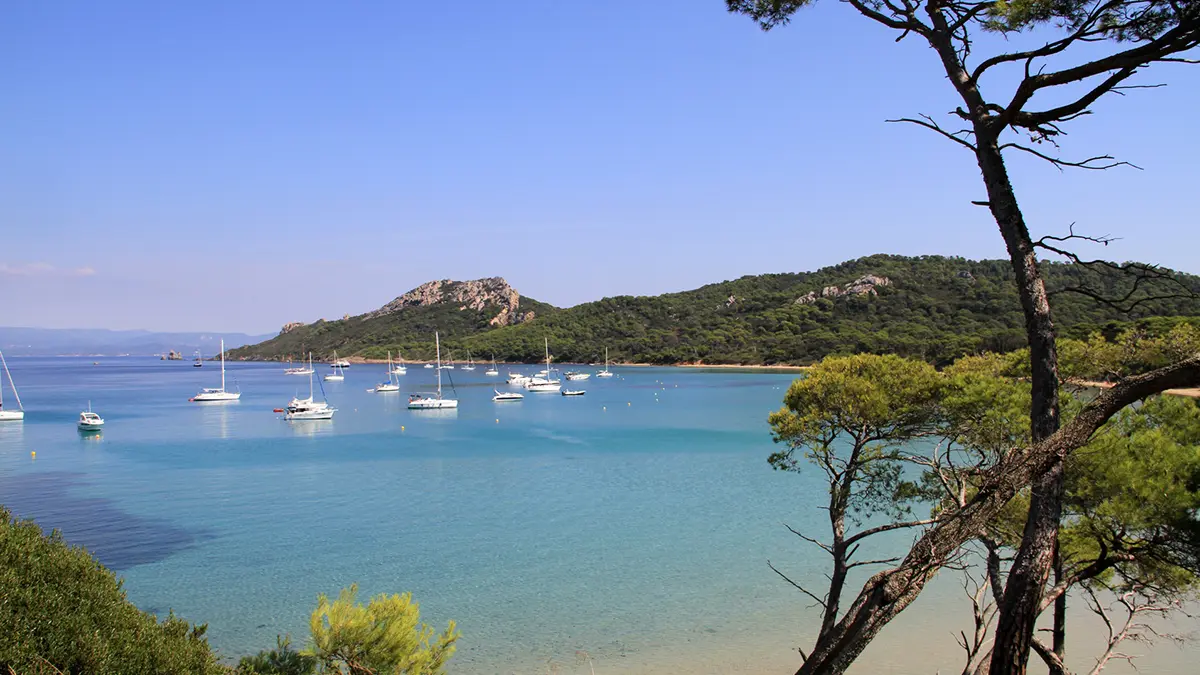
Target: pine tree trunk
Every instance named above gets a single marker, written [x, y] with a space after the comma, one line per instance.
[1031, 567]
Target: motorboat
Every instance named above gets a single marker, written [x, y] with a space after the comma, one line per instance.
[507, 396]
[435, 402]
[303, 409]
[338, 373]
[393, 384]
[90, 421]
[606, 372]
[518, 380]
[10, 415]
[573, 376]
[573, 392]
[544, 383]
[428, 365]
[217, 395]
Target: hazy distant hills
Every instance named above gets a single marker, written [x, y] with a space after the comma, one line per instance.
[929, 307]
[100, 342]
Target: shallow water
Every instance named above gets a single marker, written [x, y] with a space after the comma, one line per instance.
[631, 525]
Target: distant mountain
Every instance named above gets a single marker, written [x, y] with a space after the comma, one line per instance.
[100, 342]
[930, 307]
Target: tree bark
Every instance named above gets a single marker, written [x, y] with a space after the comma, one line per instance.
[1031, 567]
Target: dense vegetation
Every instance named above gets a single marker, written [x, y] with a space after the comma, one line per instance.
[63, 612]
[935, 309]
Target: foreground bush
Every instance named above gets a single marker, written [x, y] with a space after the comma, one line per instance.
[61, 611]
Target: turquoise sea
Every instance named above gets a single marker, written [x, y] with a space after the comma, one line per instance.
[632, 525]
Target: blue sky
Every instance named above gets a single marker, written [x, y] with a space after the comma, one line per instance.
[232, 166]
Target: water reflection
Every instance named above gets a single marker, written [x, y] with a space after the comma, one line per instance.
[310, 428]
[12, 434]
[215, 416]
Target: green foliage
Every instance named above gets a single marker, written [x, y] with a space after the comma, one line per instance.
[847, 416]
[61, 611]
[282, 660]
[936, 309]
[384, 636]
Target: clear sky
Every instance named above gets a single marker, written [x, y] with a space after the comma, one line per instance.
[235, 165]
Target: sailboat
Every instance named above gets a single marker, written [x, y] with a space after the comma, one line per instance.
[606, 372]
[301, 370]
[214, 395]
[393, 383]
[399, 368]
[10, 415]
[547, 384]
[421, 402]
[449, 364]
[492, 371]
[308, 408]
[338, 374]
[198, 362]
[470, 364]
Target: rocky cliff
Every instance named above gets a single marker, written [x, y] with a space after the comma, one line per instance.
[481, 295]
[864, 285]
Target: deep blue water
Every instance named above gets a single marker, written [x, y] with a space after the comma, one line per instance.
[633, 523]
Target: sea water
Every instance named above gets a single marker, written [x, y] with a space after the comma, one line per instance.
[628, 529]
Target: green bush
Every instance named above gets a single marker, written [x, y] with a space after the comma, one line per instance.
[61, 611]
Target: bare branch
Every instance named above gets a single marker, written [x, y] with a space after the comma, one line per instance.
[882, 561]
[1106, 161]
[858, 536]
[824, 547]
[928, 123]
[820, 602]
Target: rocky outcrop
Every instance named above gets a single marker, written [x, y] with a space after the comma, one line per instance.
[864, 285]
[289, 327]
[480, 295]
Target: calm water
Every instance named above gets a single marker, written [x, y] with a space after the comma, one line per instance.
[633, 523]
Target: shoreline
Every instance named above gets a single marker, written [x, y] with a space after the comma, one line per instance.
[359, 360]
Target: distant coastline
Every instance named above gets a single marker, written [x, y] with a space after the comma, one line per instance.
[512, 364]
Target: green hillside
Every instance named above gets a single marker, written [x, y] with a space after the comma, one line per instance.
[930, 307]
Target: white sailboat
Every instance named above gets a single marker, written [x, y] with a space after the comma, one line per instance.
[399, 368]
[307, 408]
[393, 383]
[90, 421]
[449, 364]
[492, 372]
[606, 372]
[338, 374]
[198, 362]
[217, 395]
[10, 415]
[546, 384]
[470, 364]
[421, 402]
[300, 370]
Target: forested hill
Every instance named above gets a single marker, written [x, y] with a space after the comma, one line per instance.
[930, 307]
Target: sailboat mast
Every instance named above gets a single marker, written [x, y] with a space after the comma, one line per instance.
[222, 365]
[10, 384]
[438, 341]
[310, 374]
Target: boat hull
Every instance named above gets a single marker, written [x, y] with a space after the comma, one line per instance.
[386, 389]
[217, 397]
[543, 388]
[12, 415]
[432, 404]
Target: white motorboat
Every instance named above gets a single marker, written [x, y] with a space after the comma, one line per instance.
[436, 402]
[507, 396]
[573, 376]
[573, 392]
[492, 372]
[217, 395]
[393, 384]
[545, 383]
[428, 365]
[606, 372]
[518, 380]
[90, 421]
[338, 373]
[399, 368]
[10, 415]
[303, 409]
